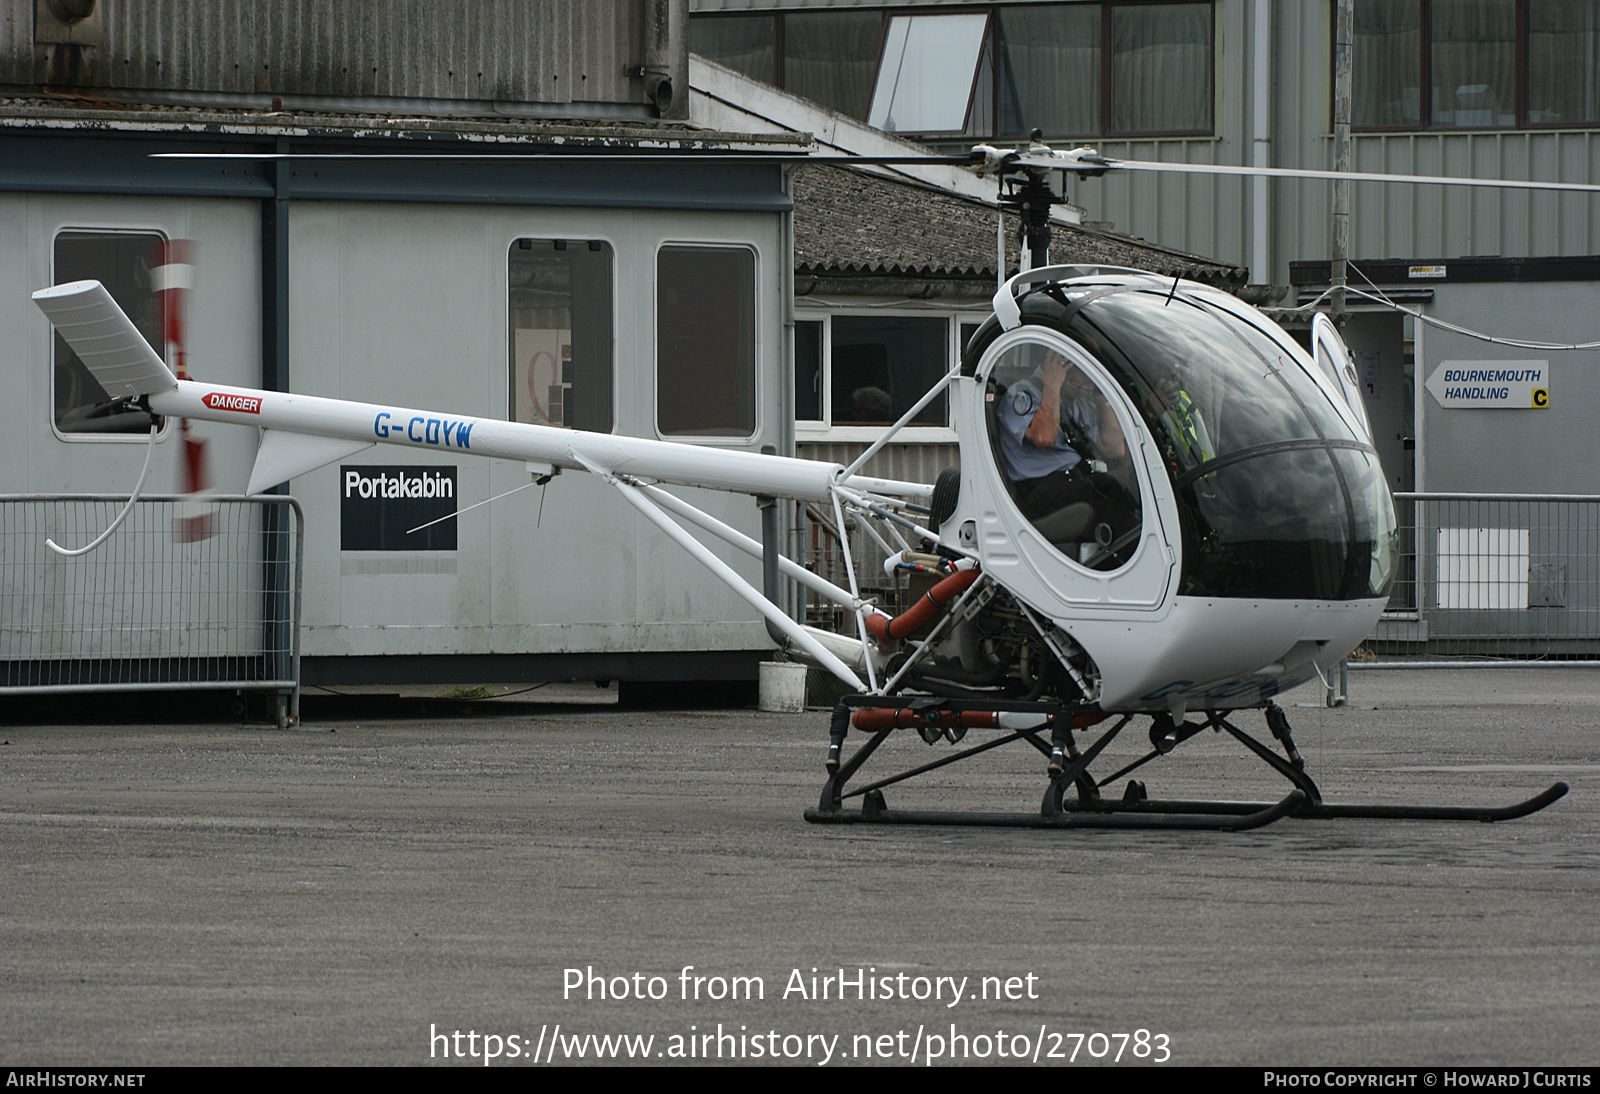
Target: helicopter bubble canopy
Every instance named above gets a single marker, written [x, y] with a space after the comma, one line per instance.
[1266, 473]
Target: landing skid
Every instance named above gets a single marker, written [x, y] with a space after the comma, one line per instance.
[1072, 797]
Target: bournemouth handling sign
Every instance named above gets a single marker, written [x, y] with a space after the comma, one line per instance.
[1491, 385]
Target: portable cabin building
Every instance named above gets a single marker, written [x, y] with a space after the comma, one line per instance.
[646, 299]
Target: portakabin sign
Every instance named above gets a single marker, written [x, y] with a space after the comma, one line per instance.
[379, 507]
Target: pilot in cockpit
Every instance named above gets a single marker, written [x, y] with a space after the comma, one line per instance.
[1063, 451]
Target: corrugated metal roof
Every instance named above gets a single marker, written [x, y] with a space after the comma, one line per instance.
[853, 223]
[522, 51]
[76, 111]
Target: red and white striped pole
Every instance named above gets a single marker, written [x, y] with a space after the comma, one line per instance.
[171, 275]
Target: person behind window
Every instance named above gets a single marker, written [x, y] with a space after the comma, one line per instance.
[1060, 439]
[873, 405]
[1182, 418]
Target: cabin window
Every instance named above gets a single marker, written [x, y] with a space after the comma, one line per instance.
[706, 341]
[857, 373]
[1063, 452]
[1277, 497]
[1475, 64]
[1073, 70]
[559, 306]
[123, 263]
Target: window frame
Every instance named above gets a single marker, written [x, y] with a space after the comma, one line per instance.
[814, 431]
[511, 244]
[132, 436]
[756, 341]
[1108, 104]
[912, 16]
[1424, 74]
[777, 25]
[1112, 394]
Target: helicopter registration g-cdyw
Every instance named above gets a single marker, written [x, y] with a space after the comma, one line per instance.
[1164, 506]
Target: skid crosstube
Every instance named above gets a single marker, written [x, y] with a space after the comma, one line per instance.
[1067, 770]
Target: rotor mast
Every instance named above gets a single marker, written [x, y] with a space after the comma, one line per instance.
[1031, 199]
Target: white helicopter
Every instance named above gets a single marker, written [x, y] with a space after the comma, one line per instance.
[1164, 508]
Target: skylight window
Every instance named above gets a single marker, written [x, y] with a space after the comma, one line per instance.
[926, 78]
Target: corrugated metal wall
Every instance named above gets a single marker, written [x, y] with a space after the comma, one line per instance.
[1201, 214]
[1211, 216]
[526, 51]
[1417, 221]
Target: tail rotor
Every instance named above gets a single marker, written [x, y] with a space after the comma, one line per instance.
[172, 275]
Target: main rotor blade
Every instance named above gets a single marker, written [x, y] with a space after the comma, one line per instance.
[999, 162]
[1335, 176]
[965, 160]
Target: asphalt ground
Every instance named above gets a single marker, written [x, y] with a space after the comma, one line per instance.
[396, 872]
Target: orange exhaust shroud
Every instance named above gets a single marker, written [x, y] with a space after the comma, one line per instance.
[884, 628]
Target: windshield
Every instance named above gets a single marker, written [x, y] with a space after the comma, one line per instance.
[1278, 498]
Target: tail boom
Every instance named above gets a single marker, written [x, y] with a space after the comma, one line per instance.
[119, 357]
[376, 423]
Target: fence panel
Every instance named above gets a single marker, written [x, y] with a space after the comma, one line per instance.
[1495, 575]
[156, 605]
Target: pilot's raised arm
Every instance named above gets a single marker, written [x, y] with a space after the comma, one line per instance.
[1058, 436]
[1030, 418]
[1044, 428]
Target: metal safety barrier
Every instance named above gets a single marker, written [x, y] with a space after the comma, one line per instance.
[1511, 576]
[185, 595]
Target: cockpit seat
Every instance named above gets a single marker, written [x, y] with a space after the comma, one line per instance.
[1067, 524]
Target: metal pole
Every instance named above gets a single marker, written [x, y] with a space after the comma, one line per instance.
[1261, 142]
[726, 574]
[1341, 151]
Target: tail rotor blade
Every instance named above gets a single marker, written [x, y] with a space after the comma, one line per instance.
[172, 275]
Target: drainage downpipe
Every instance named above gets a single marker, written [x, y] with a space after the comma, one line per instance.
[769, 563]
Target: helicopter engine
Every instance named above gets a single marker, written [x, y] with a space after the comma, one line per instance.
[987, 649]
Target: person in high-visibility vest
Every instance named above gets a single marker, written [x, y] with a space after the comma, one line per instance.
[1183, 420]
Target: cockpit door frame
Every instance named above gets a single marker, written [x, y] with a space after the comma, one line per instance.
[1334, 360]
[1033, 567]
